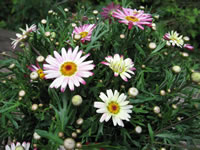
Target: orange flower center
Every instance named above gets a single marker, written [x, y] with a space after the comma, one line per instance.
[40, 73]
[68, 68]
[132, 18]
[113, 107]
[83, 34]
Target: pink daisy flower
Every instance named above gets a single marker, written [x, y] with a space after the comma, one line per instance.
[132, 17]
[24, 35]
[108, 11]
[120, 66]
[37, 69]
[84, 31]
[68, 69]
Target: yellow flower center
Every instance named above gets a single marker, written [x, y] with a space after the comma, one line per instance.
[68, 68]
[40, 73]
[83, 34]
[113, 107]
[132, 18]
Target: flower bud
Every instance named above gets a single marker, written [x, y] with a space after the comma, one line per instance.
[69, 143]
[40, 59]
[34, 75]
[174, 106]
[152, 45]
[162, 92]
[43, 21]
[141, 7]
[50, 11]
[78, 145]
[53, 35]
[77, 100]
[47, 34]
[74, 134]
[34, 107]
[78, 131]
[156, 109]
[77, 37]
[156, 16]
[73, 25]
[138, 129]
[163, 148]
[57, 43]
[95, 12]
[11, 66]
[184, 54]
[169, 90]
[66, 9]
[133, 92]
[60, 134]
[36, 136]
[22, 93]
[122, 36]
[186, 38]
[143, 66]
[176, 69]
[79, 121]
[195, 77]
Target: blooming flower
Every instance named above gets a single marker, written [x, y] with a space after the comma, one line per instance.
[132, 17]
[108, 11]
[68, 68]
[114, 105]
[37, 69]
[174, 39]
[188, 46]
[25, 145]
[85, 31]
[24, 35]
[120, 66]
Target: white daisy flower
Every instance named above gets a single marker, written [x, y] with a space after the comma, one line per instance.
[120, 66]
[24, 35]
[114, 105]
[173, 39]
[18, 146]
[68, 69]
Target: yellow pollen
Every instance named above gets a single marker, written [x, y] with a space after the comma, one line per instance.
[68, 68]
[83, 34]
[113, 107]
[40, 73]
[132, 18]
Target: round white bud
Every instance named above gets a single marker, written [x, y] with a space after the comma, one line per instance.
[154, 28]
[40, 59]
[122, 36]
[179, 118]
[77, 100]
[20, 98]
[78, 145]
[157, 16]
[66, 9]
[34, 75]
[153, 25]
[176, 69]
[57, 43]
[43, 21]
[74, 134]
[160, 115]
[174, 106]
[162, 92]
[169, 90]
[186, 38]
[34, 107]
[73, 25]
[141, 7]
[78, 131]
[163, 148]
[184, 54]
[50, 11]
[22, 93]
[60, 134]
[40, 105]
[152, 45]
[195, 77]
[11, 66]
[138, 129]
[79, 121]
[165, 53]
[77, 37]
[47, 34]
[36, 136]
[69, 143]
[133, 92]
[156, 109]
[143, 66]
[95, 12]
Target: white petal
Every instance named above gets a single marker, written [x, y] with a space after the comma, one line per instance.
[103, 117]
[103, 97]
[71, 85]
[27, 146]
[101, 110]
[99, 105]
[7, 147]
[109, 93]
[64, 53]
[108, 117]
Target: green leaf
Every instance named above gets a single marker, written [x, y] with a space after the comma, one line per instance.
[151, 133]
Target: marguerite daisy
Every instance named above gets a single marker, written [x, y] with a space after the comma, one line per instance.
[173, 39]
[68, 69]
[114, 105]
[37, 69]
[120, 66]
[84, 31]
[18, 146]
[24, 35]
[132, 17]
